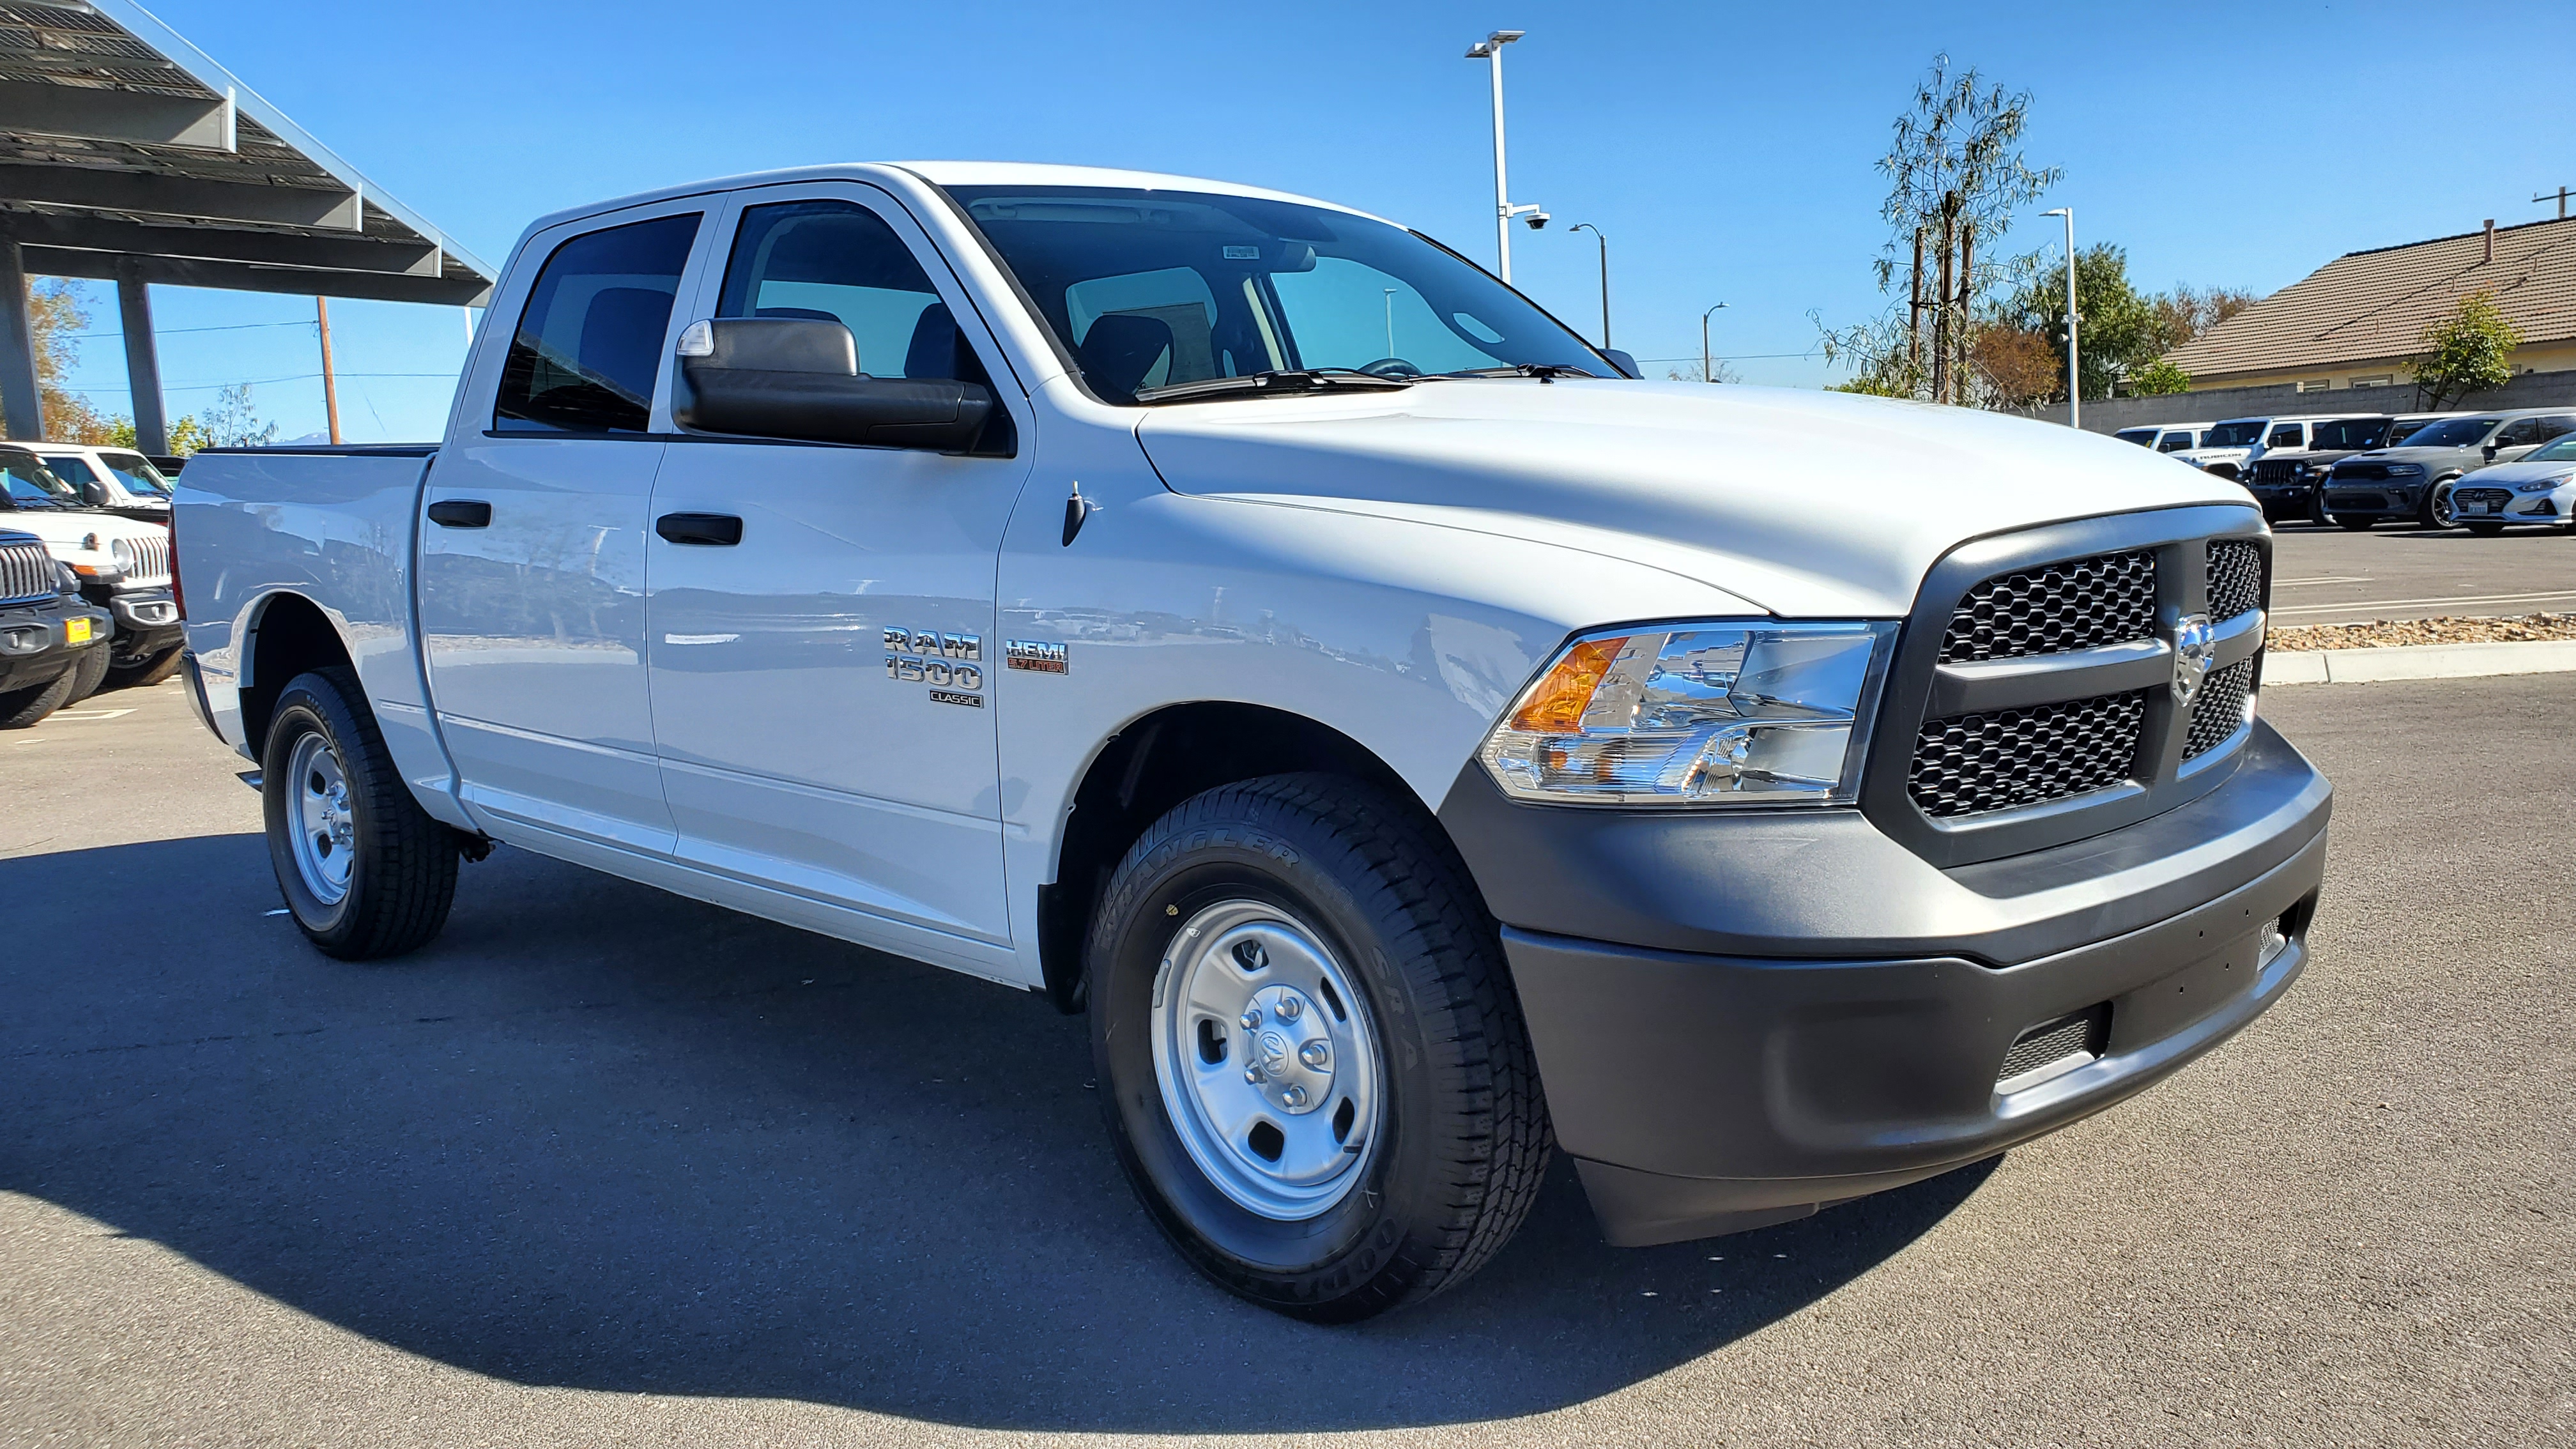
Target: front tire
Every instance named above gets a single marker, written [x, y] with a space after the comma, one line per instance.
[1393, 1137]
[147, 672]
[88, 674]
[365, 871]
[25, 708]
[2437, 511]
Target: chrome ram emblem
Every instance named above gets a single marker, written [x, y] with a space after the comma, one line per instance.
[2195, 644]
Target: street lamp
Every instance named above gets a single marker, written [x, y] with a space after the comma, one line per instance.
[2074, 378]
[1605, 276]
[1491, 48]
[1707, 372]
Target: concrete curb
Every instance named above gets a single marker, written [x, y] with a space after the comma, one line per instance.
[2419, 661]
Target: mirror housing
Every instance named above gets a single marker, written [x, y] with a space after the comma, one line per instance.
[794, 377]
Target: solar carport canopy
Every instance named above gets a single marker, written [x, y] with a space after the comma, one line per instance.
[127, 153]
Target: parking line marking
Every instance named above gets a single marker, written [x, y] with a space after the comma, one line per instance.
[91, 713]
[2566, 594]
[2326, 579]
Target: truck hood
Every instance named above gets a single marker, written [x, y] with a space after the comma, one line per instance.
[67, 531]
[1809, 504]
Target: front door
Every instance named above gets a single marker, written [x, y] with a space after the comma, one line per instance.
[532, 543]
[822, 687]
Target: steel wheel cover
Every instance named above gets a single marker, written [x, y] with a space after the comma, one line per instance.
[325, 827]
[1268, 1060]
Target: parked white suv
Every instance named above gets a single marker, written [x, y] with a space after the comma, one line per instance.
[1414, 744]
[119, 480]
[2230, 449]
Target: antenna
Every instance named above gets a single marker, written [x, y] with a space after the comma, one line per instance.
[2560, 197]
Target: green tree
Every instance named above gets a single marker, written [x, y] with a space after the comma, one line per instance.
[2121, 333]
[2158, 379]
[233, 423]
[2469, 351]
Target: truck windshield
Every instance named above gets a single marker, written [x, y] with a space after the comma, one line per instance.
[2235, 435]
[2352, 434]
[139, 476]
[1146, 289]
[2452, 433]
[31, 485]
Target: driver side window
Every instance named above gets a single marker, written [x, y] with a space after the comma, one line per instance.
[835, 261]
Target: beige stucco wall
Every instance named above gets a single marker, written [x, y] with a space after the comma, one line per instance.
[2557, 356]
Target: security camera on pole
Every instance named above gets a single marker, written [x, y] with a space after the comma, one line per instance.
[1491, 48]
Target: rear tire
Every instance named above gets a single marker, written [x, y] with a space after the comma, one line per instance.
[1344, 884]
[23, 708]
[151, 671]
[365, 871]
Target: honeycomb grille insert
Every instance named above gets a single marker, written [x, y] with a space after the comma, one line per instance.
[1974, 763]
[2218, 711]
[2082, 1034]
[2235, 578]
[2055, 609]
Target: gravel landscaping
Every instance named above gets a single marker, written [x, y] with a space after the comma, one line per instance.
[2382, 633]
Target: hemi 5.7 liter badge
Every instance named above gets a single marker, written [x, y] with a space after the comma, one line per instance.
[948, 663]
[1037, 656]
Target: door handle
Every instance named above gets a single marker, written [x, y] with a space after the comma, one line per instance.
[719, 529]
[461, 513]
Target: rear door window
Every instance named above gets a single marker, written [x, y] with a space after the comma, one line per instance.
[2288, 435]
[589, 344]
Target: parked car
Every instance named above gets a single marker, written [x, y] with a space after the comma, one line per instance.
[49, 638]
[119, 480]
[1409, 752]
[2175, 437]
[123, 565]
[2539, 487]
[2232, 448]
[2286, 482]
[2413, 480]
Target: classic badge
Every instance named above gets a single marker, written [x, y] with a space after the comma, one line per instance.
[2195, 645]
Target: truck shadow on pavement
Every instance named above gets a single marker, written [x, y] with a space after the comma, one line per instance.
[599, 1137]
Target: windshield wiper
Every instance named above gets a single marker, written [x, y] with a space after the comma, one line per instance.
[1289, 380]
[1543, 371]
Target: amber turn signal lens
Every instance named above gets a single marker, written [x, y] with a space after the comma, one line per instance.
[1557, 705]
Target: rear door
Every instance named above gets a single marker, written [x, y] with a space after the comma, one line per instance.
[821, 688]
[532, 548]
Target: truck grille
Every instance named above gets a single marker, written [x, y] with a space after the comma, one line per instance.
[2053, 682]
[2276, 470]
[2056, 609]
[151, 559]
[26, 571]
[2219, 709]
[1977, 762]
[2235, 577]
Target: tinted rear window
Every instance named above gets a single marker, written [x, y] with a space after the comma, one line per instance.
[589, 344]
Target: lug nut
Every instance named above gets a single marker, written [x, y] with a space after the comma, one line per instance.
[1252, 1074]
[1290, 1008]
[1294, 1097]
[1314, 1053]
[1251, 1018]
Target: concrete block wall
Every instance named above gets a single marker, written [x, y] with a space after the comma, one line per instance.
[2109, 415]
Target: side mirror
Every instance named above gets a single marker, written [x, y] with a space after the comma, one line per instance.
[2490, 451]
[94, 493]
[1625, 362]
[794, 377]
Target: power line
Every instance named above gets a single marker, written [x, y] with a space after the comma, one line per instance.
[258, 382]
[175, 331]
[1740, 356]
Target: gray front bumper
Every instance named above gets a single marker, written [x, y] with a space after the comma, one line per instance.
[1759, 1015]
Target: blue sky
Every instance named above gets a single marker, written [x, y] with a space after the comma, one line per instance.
[1727, 151]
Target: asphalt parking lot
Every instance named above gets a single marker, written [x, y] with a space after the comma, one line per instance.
[2330, 576]
[603, 1165]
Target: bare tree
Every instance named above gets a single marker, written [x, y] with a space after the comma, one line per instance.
[1956, 175]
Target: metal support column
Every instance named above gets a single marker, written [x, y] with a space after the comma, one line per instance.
[21, 406]
[142, 363]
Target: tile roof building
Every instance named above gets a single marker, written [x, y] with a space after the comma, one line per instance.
[2356, 320]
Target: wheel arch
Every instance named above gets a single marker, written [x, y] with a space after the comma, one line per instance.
[285, 635]
[1156, 761]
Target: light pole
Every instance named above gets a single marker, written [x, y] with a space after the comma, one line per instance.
[1707, 372]
[1491, 48]
[2074, 376]
[1605, 276]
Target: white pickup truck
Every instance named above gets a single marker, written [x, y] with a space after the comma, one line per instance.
[1415, 743]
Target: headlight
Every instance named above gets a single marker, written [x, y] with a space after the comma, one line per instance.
[2540, 485]
[2404, 470]
[123, 552]
[1696, 714]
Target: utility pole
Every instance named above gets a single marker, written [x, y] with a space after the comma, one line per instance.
[2074, 374]
[2560, 198]
[1707, 372]
[1605, 275]
[1491, 49]
[330, 384]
